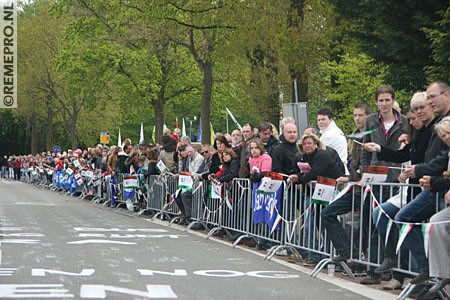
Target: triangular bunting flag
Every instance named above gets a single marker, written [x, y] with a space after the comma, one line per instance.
[406, 228]
[275, 224]
[228, 200]
[291, 234]
[379, 214]
[426, 230]
[388, 230]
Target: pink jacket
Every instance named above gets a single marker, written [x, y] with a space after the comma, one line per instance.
[262, 163]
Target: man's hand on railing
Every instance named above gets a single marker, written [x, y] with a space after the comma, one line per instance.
[292, 178]
[425, 182]
[410, 171]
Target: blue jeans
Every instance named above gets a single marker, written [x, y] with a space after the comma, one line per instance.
[311, 233]
[335, 231]
[391, 210]
[419, 210]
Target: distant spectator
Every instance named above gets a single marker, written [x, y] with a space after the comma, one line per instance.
[266, 136]
[331, 135]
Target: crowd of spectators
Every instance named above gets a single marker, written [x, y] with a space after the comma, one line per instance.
[383, 138]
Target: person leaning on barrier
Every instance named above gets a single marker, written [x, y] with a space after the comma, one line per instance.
[229, 169]
[424, 206]
[220, 144]
[228, 172]
[195, 160]
[207, 152]
[422, 120]
[312, 162]
[436, 162]
[321, 162]
[436, 158]
[284, 154]
[385, 127]
[350, 200]
[259, 161]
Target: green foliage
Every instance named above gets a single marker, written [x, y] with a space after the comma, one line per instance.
[440, 45]
[87, 66]
[352, 79]
[392, 33]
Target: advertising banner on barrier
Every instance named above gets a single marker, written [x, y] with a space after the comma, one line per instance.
[265, 205]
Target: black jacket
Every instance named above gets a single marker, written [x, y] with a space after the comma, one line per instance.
[322, 164]
[284, 158]
[436, 156]
[230, 170]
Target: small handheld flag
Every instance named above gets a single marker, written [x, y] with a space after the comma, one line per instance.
[358, 135]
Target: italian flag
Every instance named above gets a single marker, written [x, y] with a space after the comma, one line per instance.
[406, 228]
[426, 230]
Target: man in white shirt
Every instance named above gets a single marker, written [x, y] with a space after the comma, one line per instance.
[331, 135]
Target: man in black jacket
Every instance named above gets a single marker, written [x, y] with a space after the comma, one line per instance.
[283, 155]
[424, 205]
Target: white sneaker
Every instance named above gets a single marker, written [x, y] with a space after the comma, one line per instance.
[406, 281]
[393, 284]
[282, 252]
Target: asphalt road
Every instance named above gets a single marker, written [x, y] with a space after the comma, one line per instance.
[57, 246]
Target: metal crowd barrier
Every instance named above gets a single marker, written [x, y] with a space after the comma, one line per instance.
[301, 230]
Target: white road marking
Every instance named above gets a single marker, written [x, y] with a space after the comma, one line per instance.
[100, 242]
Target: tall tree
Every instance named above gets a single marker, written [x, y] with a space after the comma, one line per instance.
[392, 33]
[439, 36]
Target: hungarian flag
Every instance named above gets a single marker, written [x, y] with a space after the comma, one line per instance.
[426, 231]
[406, 228]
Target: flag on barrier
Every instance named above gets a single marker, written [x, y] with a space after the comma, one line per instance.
[266, 206]
[426, 231]
[161, 167]
[406, 228]
[185, 182]
[324, 191]
[215, 190]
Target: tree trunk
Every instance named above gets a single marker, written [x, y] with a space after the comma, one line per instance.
[49, 141]
[206, 101]
[302, 86]
[159, 116]
[34, 135]
[73, 125]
